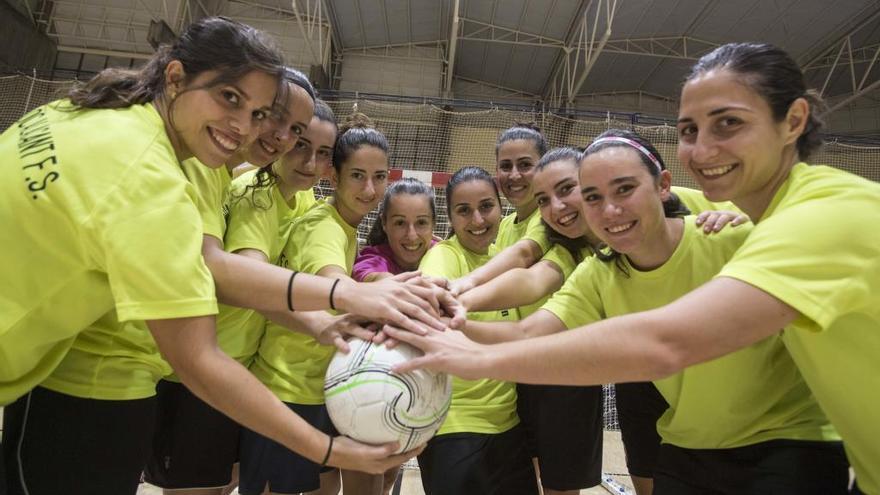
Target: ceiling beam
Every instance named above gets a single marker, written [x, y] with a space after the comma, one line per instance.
[570, 39]
[452, 45]
[860, 20]
[849, 99]
[104, 53]
[513, 91]
[864, 54]
[308, 24]
[596, 48]
[475, 30]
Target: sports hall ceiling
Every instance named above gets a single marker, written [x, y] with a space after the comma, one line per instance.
[556, 51]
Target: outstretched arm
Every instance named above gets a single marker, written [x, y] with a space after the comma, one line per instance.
[248, 283]
[190, 346]
[522, 254]
[718, 318]
[515, 288]
[539, 323]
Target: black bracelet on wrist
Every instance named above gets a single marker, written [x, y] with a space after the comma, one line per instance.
[332, 290]
[329, 449]
[290, 290]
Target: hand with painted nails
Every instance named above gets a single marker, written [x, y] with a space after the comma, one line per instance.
[715, 221]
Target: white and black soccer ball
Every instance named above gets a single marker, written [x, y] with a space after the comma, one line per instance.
[372, 404]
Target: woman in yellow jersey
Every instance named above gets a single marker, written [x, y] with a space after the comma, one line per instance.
[98, 177]
[810, 266]
[566, 423]
[480, 448]
[322, 242]
[521, 240]
[569, 444]
[195, 447]
[398, 240]
[781, 430]
[115, 362]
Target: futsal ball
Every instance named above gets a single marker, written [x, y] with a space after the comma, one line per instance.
[370, 403]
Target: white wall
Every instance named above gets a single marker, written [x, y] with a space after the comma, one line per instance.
[396, 76]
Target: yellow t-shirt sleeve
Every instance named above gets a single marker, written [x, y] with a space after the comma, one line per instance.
[697, 202]
[151, 248]
[327, 245]
[305, 200]
[578, 302]
[211, 187]
[252, 218]
[442, 261]
[815, 257]
[562, 258]
[537, 232]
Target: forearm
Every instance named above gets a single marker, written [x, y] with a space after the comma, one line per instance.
[308, 322]
[248, 283]
[522, 254]
[592, 355]
[650, 345]
[230, 388]
[539, 323]
[376, 276]
[492, 332]
[515, 288]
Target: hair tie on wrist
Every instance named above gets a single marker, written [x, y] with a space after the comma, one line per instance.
[329, 449]
[290, 290]
[332, 290]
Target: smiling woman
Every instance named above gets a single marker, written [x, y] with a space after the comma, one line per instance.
[402, 233]
[100, 175]
[810, 266]
[480, 448]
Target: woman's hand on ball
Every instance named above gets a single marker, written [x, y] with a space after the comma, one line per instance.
[391, 301]
[344, 326]
[451, 352]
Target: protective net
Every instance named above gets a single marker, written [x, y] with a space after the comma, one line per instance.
[430, 142]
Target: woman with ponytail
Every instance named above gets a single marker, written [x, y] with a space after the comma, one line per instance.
[99, 217]
[748, 127]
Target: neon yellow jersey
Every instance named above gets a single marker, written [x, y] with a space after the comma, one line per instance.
[697, 203]
[562, 258]
[293, 364]
[749, 396]
[510, 231]
[478, 406]
[817, 249]
[113, 360]
[96, 214]
[257, 218]
[212, 186]
[110, 361]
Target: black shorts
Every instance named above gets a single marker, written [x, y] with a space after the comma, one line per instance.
[2, 469]
[639, 406]
[76, 446]
[265, 461]
[564, 427]
[478, 464]
[194, 445]
[776, 467]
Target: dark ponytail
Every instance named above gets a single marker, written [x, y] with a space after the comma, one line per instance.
[527, 131]
[356, 131]
[773, 74]
[213, 43]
